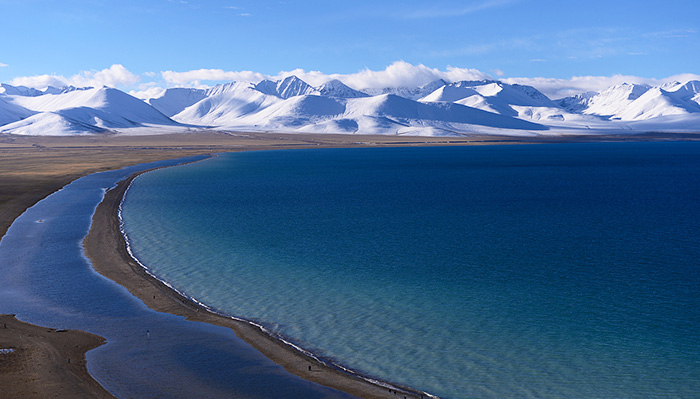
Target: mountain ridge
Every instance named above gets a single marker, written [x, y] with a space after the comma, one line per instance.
[292, 105]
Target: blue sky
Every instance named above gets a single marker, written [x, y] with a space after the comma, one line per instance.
[502, 38]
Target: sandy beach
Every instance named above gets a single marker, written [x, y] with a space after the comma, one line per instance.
[38, 362]
[106, 249]
[33, 167]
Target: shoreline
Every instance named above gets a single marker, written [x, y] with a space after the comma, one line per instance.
[34, 167]
[109, 253]
[29, 355]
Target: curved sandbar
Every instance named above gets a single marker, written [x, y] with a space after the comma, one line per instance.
[107, 250]
[34, 167]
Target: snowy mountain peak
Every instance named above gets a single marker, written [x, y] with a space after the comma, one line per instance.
[173, 101]
[336, 88]
[473, 83]
[83, 111]
[629, 102]
[690, 88]
[531, 92]
[498, 97]
[229, 87]
[292, 105]
[628, 90]
[577, 103]
[434, 84]
[31, 92]
[267, 87]
[292, 86]
[412, 93]
[612, 102]
[61, 90]
[19, 90]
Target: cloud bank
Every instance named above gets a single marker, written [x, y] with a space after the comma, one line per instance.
[398, 74]
[115, 76]
[558, 88]
[196, 77]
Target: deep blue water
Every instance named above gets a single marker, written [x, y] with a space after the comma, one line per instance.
[567, 270]
[45, 279]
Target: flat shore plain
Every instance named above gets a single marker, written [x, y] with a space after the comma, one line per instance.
[31, 168]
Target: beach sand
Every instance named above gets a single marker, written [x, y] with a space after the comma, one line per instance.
[31, 168]
[38, 362]
[106, 249]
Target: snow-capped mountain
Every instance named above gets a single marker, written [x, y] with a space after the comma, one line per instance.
[657, 102]
[576, 104]
[173, 101]
[611, 102]
[688, 92]
[63, 90]
[384, 114]
[227, 103]
[24, 91]
[10, 112]
[19, 90]
[412, 93]
[449, 117]
[82, 111]
[336, 88]
[292, 105]
[495, 96]
[290, 86]
[629, 102]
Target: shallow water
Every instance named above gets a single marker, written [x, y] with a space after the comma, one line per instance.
[489, 272]
[46, 280]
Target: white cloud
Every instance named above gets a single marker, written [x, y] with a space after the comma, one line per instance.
[402, 73]
[195, 78]
[398, 74]
[114, 76]
[558, 88]
[40, 81]
[3, 65]
[148, 92]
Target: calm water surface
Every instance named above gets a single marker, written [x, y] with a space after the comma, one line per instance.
[45, 279]
[488, 272]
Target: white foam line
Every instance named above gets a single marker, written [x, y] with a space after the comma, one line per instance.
[262, 328]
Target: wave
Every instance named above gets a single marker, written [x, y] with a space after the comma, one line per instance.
[260, 326]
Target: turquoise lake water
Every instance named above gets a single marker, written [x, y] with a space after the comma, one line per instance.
[46, 279]
[567, 270]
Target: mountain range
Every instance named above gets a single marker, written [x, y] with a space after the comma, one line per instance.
[439, 108]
